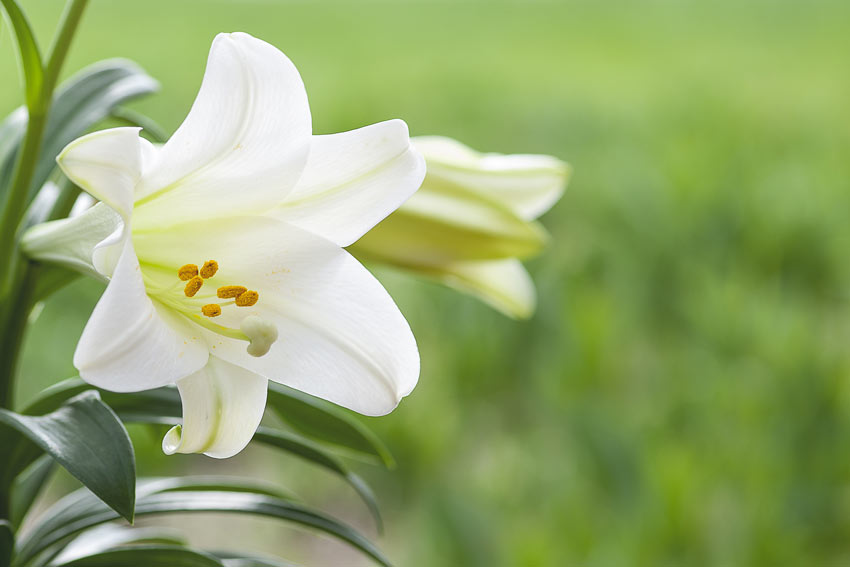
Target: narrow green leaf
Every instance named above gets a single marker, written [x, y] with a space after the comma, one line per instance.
[81, 504]
[27, 486]
[87, 438]
[108, 536]
[28, 53]
[147, 556]
[132, 118]
[86, 513]
[11, 133]
[317, 455]
[234, 559]
[326, 422]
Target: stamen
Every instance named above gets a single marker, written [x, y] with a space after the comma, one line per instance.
[261, 333]
[211, 310]
[228, 291]
[193, 286]
[209, 269]
[187, 272]
[247, 299]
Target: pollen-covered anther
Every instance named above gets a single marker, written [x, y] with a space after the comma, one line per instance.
[211, 310]
[187, 272]
[247, 299]
[209, 269]
[192, 286]
[230, 291]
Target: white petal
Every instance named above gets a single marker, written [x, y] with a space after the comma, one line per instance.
[353, 180]
[243, 145]
[222, 408]
[71, 242]
[107, 164]
[130, 343]
[341, 337]
[527, 184]
[503, 284]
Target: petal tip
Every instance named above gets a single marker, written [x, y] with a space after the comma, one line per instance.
[172, 440]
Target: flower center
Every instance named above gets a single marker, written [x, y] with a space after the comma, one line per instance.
[194, 277]
[196, 304]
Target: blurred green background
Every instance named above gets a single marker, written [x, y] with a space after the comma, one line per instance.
[682, 397]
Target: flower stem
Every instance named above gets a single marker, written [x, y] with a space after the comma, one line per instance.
[17, 275]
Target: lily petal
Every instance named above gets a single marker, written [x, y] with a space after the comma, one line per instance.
[222, 408]
[341, 336]
[107, 164]
[243, 145]
[527, 184]
[353, 180]
[130, 343]
[503, 284]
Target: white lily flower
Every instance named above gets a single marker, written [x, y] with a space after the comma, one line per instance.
[223, 253]
[472, 221]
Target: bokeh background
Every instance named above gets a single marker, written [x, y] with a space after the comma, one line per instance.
[682, 396]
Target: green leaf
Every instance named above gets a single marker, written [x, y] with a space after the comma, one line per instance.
[7, 543]
[317, 455]
[87, 438]
[81, 504]
[28, 53]
[147, 556]
[109, 536]
[11, 133]
[233, 559]
[132, 118]
[79, 512]
[27, 486]
[84, 100]
[326, 422]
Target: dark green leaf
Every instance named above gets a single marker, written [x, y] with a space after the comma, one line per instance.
[7, 543]
[78, 513]
[87, 438]
[326, 422]
[161, 401]
[27, 51]
[147, 556]
[27, 486]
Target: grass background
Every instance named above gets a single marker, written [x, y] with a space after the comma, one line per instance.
[682, 397]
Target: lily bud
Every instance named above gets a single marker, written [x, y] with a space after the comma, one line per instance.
[471, 222]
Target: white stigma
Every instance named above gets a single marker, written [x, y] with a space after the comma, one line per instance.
[261, 334]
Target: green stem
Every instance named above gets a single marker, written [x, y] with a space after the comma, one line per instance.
[17, 275]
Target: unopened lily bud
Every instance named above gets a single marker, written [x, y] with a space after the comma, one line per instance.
[471, 221]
